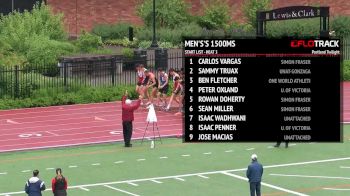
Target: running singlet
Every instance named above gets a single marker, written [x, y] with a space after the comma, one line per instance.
[163, 79]
[140, 76]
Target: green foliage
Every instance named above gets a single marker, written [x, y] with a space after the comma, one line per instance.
[88, 42]
[240, 30]
[145, 44]
[128, 53]
[346, 70]
[112, 31]
[216, 15]
[297, 28]
[250, 7]
[169, 13]
[78, 95]
[341, 26]
[125, 42]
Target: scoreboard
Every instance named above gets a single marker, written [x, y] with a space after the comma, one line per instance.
[262, 90]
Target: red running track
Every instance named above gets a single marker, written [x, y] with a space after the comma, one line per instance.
[60, 126]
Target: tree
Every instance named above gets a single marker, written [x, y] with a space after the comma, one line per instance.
[250, 7]
[169, 13]
[216, 15]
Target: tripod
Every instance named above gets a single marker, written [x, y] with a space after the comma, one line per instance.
[154, 134]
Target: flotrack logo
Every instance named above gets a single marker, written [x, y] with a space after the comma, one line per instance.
[314, 43]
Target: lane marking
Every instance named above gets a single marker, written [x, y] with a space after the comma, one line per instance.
[25, 171]
[229, 151]
[50, 168]
[72, 166]
[292, 144]
[12, 122]
[163, 157]
[99, 119]
[205, 177]
[118, 162]
[141, 159]
[133, 184]
[267, 185]
[180, 179]
[305, 176]
[270, 147]
[186, 155]
[191, 174]
[249, 149]
[3, 173]
[334, 189]
[116, 189]
[156, 181]
[344, 167]
[84, 189]
[207, 153]
[96, 164]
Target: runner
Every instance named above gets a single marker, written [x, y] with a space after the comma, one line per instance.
[177, 90]
[152, 84]
[163, 86]
[140, 77]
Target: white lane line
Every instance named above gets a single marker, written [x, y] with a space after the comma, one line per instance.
[3, 173]
[202, 176]
[84, 189]
[133, 184]
[229, 151]
[118, 162]
[305, 176]
[25, 171]
[120, 190]
[207, 153]
[344, 167]
[72, 166]
[156, 181]
[192, 174]
[50, 168]
[270, 147]
[54, 134]
[180, 179]
[163, 157]
[292, 144]
[334, 189]
[141, 159]
[249, 149]
[96, 164]
[186, 155]
[265, 184]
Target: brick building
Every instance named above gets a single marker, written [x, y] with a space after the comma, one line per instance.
[84, 14]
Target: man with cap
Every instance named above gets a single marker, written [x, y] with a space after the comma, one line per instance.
[254, 174]
[128, 108]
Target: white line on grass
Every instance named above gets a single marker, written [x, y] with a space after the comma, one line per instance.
[207, 153]
[305, 176]
[156, 181]
[72, 166]
[25, 171]
[292, 144]
[180, 179]
[120, 190]
[3, 173]
[141, 159]
[249, 149]
[50, 168]
[333, 189]
[229, 151]
[118, 162]
[202, 176]
[270, 147]
[163, 157]
[96, 164]
[84, 189]
[265, 184]
[344, 167]
[192, 174]
[186, 155]
[133, 184]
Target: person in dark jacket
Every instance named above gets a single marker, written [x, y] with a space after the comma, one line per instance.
[254, 173]
[128, 108]
[34, 185]
[59, 184]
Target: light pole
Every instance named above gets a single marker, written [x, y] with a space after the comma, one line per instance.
[154, 41]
